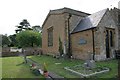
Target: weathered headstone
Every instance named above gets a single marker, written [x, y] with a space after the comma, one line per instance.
[89, 64]
[92, 64]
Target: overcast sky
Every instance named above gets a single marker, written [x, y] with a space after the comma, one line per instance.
[12, 12]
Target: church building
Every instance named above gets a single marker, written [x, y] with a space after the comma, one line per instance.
[82, 35]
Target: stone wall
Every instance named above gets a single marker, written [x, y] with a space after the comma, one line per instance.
[27, 51]
[82, 49]
[114, 14]
[6, 52]
[107, 23]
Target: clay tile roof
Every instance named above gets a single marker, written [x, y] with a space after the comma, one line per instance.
[90, 21]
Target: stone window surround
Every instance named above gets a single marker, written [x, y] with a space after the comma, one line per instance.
[50, 36]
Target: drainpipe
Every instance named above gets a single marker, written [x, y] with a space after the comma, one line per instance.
[69, 38]
[93, 44]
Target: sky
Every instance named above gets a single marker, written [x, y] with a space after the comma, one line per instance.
[12, 12]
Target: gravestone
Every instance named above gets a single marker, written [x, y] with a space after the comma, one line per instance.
[89, 64]
[92, 64]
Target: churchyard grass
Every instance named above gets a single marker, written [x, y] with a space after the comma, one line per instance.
[113, 65]
[59, 68]
[12, 67]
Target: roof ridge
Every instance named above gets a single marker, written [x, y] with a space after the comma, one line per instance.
[65, 9]
[75, 10]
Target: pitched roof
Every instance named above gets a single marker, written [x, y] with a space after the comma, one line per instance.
[65, 10]
[90, 21]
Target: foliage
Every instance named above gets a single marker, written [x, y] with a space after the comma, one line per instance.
[37, 28]
[5, 40]
[28, 38]
[24, 25]
[13, 40]
[44, 67]
[60, 47]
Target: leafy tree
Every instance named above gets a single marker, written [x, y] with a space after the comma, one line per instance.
[12, 40]
[5, 41]
[37, 28]
[24, 25]
[28, 38]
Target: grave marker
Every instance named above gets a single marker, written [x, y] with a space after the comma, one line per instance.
[89, 64]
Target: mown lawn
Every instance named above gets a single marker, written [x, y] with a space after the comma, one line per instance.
[12, 67]
[113, 65]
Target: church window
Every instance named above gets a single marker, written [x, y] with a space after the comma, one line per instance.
[111, 38]
[50, 36]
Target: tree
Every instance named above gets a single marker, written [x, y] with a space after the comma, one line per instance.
[24, 25]
[28, 38]
[12, 40]
[37, 28]
[5, 41]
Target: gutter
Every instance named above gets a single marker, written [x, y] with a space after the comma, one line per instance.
[93, 44]
[69, 38]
